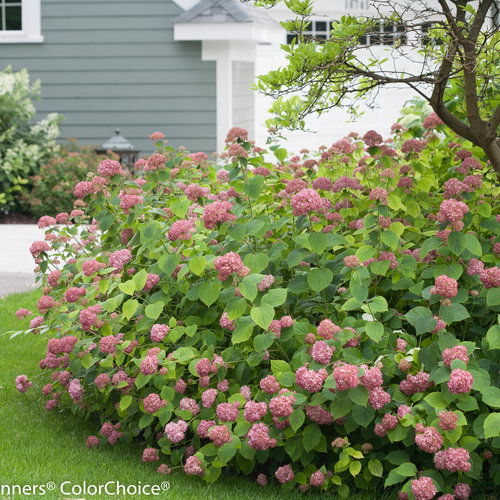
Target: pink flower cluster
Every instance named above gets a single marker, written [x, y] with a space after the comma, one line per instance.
[111, 432]
[23, 383]
[423, 488]
[415, 383]
[181, 230]
[89, 267]
[310, 380]
[448, 420]
[445, 286]
[321, 352]
[460, 381]
[457, 352]
[230, 263]
[74, 293]
[327, 329]
[217, 212]
[108, 168]
[453, 460]
[258, 437]
[119, 258]
[220, 434]
[306, 201]
[159, 332]
[176, 431]
[89, 317]
[346, 376]
[428, 439]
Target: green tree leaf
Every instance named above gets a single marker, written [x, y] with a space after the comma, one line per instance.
[275, 297]
[492, 426]
[319, 279]
[209, 292]
[154, 310]
[129, 308]
[262, 315]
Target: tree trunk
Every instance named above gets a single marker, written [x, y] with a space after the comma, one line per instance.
[492, 151]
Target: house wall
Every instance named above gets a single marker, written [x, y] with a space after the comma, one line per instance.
[243, 96]
[114, 64]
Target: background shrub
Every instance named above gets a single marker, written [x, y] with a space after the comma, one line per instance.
[52, 186]
[24, 145]
[329, 320]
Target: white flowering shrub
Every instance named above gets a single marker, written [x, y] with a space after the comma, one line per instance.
[24, 145]
[326, 320]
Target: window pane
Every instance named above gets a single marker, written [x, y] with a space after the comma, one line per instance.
[13, 18]
[290, 37]
[320, 25]
[2, 27]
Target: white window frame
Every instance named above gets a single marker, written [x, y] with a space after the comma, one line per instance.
[31, 23]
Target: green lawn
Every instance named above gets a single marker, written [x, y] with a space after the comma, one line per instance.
[37, 446]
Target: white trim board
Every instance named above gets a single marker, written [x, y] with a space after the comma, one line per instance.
[32, 25]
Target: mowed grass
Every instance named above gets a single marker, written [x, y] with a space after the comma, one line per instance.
[37, 446]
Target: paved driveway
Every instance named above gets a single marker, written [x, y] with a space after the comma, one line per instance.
[16, 262]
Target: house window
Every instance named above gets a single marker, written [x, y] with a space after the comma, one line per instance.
[11, 18]
[314, 30]
[382, 33]
[20, 21]
[427, 37]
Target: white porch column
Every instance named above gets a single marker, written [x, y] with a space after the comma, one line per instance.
[220, 52]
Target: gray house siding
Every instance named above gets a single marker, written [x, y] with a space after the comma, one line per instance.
[114, 64]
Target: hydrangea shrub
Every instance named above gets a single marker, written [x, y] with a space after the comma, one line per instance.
[24, 144]
[323, 320]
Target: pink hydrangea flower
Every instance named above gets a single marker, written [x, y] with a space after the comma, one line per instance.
[445, 286]
[428, 439]
[108, 168]
[181, 230]
[92, 442]
[230, 263]
[254, 411]
[153, 402]
[227, 412]
[456, 352]
[460, 381]
[150, 455]
[448, 420]
[193, 466]
[327, 329]
[258, 437]
[269, 384]
[220, 435]
[23, 383]
[176, 431]
[217, 212]
[310, 380]
[23, 312]
[306, 201]
[415, 383]
[453, 460]
[372, 377]
[159, 332]
[119, 258]
[346, 376]
[378, 398]
[462, 491]
[423, 488]
[321, 352]
[284, 474]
